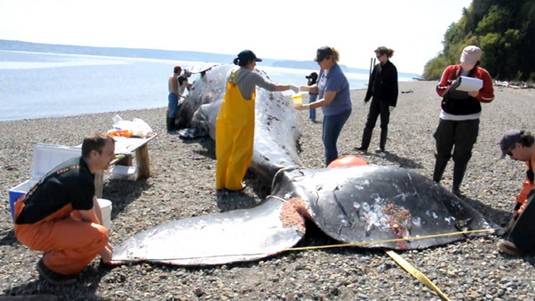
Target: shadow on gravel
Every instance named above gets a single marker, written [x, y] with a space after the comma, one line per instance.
[530, 259]
[208, 146]
[8, 238]
[259, 188]
[84, 289]
[122, 192]
[314, 236]
[497, 216]
[235, 200]
[403, 162]
[254, 194]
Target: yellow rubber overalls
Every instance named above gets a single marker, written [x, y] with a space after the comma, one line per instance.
[234, 136]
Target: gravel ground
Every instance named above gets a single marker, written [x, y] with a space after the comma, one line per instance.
[182, 186]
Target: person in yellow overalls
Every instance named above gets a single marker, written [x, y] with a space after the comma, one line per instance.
[236, 121]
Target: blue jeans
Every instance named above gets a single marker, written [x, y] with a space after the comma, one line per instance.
[332, 126]
[172, 106]
[312, 113]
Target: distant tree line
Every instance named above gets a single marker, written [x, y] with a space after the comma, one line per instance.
[503, 29]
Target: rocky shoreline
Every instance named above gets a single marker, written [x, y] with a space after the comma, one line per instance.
[182, 185]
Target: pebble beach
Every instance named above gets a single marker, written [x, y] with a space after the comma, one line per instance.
[182, 185]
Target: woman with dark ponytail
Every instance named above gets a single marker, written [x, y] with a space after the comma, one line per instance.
[383, 90]
[235, 121]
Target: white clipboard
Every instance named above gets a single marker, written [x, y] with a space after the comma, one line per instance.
[467, 84]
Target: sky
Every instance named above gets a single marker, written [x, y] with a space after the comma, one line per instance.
[277, 29]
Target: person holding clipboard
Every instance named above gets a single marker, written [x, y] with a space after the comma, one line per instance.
[458, 127]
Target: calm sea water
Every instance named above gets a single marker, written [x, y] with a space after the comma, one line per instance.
[37, 84]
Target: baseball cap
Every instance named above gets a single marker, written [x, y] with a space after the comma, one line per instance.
[247, 55]
[508, 141]
[322, 53]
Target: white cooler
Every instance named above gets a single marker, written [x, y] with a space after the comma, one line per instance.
[105, 209]
[45, 158]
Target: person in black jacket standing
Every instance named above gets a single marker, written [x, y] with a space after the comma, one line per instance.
[383, 90]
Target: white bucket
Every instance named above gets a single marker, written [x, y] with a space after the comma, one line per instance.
[105, 209]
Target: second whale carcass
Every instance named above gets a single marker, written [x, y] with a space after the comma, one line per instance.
[370, 205]
[276, 132]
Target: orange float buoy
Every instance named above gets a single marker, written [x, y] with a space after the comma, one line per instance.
[348, 161]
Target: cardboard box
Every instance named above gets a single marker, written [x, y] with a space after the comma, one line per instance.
[44, 158]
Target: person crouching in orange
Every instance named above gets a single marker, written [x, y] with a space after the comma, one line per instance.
[519, 145]
[61, 217]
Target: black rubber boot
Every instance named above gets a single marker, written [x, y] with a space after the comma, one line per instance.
[458, 175]
[366, 138]
[53, 277]
[382, 142]
[440, 166]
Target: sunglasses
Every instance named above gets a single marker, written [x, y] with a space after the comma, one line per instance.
[510, 152]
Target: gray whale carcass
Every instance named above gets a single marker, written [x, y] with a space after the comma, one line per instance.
[355, 205]
[276, 132]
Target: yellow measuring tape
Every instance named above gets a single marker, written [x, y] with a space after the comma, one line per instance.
[398, 259]
[416, 274]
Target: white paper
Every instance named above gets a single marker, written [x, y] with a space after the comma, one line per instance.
[468, 84]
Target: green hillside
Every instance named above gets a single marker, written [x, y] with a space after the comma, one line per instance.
[503, 29]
